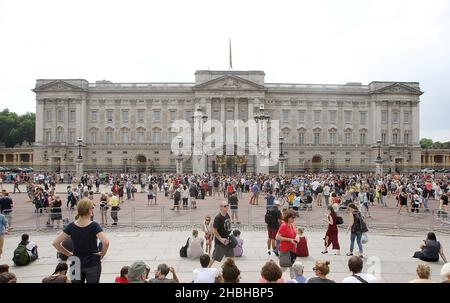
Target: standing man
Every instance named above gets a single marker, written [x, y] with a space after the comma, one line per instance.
[3, 232]
[16, 184]
[6, 206]
[216, 187]
[233, 201]
[255, 194]
[326, 193]
[222, 230]
[273, 221]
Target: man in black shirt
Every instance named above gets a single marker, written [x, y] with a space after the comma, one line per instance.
[273, 221]
[233, 201]
[6, 206]
[222, 230]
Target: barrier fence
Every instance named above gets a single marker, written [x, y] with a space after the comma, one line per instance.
[249, 217]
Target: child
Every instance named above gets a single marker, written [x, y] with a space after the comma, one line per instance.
[302, 244]
[238, 250]
[150, 197]
[207, 229]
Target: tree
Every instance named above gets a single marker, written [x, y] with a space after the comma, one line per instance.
[15, 129]
[426, 143]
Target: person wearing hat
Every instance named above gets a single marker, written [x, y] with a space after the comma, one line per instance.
[137, 272]
[273, 221]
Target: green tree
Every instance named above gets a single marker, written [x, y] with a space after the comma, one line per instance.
[426, 143]
[15, 129]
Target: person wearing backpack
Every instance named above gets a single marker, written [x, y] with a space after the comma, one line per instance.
[273, 220]
[176, 199]
[26, 252]
[357, 228]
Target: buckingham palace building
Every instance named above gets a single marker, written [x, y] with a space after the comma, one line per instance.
[319, 127]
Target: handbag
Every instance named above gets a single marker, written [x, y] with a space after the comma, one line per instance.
[285, 259]
[339, 220]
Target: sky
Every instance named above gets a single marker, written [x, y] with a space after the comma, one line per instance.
[316, 41]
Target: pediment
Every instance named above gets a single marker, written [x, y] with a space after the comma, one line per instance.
[398, 88]
[57, 86]
[229, 83]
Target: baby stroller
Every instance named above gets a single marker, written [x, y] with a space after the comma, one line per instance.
[307, 203]
[344, 203]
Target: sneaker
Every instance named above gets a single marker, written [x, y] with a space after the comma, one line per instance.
[269, 252]
[324, 252]
[275, 252]
[349, 254]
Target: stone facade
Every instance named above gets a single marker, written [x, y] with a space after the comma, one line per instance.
[128, 125]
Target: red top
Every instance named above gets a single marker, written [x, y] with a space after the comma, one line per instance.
[121, 280]
[230, 189]
[288, 232]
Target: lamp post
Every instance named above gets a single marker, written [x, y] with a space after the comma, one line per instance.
[262, 165]
[282, 160]
[198, 158]
[379, 160]
[179, 157]
[79, 160]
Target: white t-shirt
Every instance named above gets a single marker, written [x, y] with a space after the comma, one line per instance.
[368, 277]
[205, 275]
[30, 246]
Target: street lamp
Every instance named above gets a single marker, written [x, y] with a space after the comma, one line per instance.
[80, 144]
[263, 153]
[379, 147]
[281, 147]
[261, 115]
[379, 160]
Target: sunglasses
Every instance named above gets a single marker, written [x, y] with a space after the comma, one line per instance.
[225, 205]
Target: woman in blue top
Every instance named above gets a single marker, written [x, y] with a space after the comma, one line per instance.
[430, 250]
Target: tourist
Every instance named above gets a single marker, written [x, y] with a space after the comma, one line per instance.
[298, 273]
[205, 274]
[123, 278]
[356, 229]
[443, 203]
[254, 200]
[193, 193]
[296, 203]
[302, 244]
[233, 201]
[423, 274]
[56, 211]
[114, 202]
[195, 247]
[207, 229]
[355, 265]
[176, 199]
[286, 235]
[8, 277]
[32, 248]
[321, 270]
[403, 199]
[16, 183]
[104, 208]
[230, 272]
[445, 273]
[364, 202]
[238, 250]
[84, 234]
[222, 230]
[331, 236]
[150, 195]
[161, 275]
[137, 272]
[273, 221]
[59, 275]
[270, 199]
[3, 232]
[326, 193]
[271, 273]
[6, 207]
[185, 196]
[431, 249]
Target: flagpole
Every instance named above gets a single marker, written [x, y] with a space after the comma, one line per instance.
[231, 61]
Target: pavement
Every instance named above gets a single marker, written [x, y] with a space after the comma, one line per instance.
[386, 255]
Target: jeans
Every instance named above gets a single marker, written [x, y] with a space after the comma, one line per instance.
[356, 236]
[425, 202]
[90, 274]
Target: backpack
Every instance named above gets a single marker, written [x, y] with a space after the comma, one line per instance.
[339, 220]
[232, 241]
[270, 217]
[177, 195]
[183, 249]
[21, 256]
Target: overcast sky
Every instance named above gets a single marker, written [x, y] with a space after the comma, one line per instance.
[331, 42]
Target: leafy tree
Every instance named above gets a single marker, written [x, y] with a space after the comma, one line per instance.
[15, 129]
[426, 143]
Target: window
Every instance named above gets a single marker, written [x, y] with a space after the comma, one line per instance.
[157, 137]
[316, 138]
[141, 115]
[94, 116]
[348, 117]
[109, 152]
[301, 138]
[406, 117]
[384, 116]
[363, 118]
[140, 136]
[59, 135]
[285, 137]
[332, 138]
[333, 117]
[157, 115]
[348, 138]
[172, 137]
[93, 137]
[109, 115]
[301, 116]
[406, 138]
[172, 115]
[216, 115]
[109, 137]
[230, 115]
[60, 115]
[383, 138]
[188, 116]
[109, 162]
[395, 138]
[394, 117]
[362, 138]
[243, 115]
[125, 116]
[94, 162]
[72, 115]
[347, 163]
[316, 116]
[49, 116]
[125, 136]
[362, 162]
[48, 136]
[71, 138]
[285, 115]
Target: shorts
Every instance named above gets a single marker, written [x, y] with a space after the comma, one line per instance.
[403, 203]
[234, 211]
[221, 250]
[272, 233]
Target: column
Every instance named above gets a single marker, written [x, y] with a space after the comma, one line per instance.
[83, 118]
[415, 117]
[236, 109]
[39, 132]
[250, 108]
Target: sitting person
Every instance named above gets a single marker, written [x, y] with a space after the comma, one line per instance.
[302, 244]
[161, 274]
[271, 273]
[445, 273]
[423, 274]
[123, 278]
[195, 247]
[25, 252]
[59, 276]
[430, 250]
[138, 272]
[230, 272]
[8, 277]
[238, 250]
[355, 264]
[205, 274]
[321, 269]
[298, 273]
